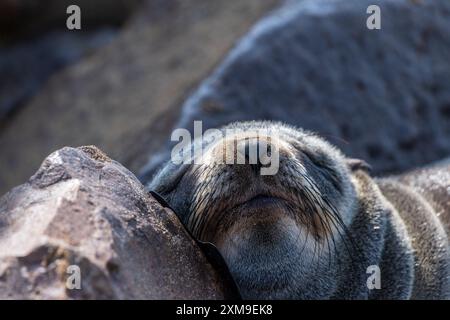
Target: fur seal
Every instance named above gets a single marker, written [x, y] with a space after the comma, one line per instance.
[314, 229]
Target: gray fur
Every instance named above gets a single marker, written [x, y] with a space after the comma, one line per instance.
[392, 223]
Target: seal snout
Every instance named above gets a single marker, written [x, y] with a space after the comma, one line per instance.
[259, 153]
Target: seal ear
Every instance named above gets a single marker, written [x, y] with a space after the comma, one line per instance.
[358, 164]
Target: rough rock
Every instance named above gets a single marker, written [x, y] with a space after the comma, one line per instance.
[380, 95]
[125, 97]
[83, 209]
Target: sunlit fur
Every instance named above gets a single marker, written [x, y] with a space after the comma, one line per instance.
[311, 230]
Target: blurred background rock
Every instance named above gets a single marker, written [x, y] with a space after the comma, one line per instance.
[21, 19]
[109, 83]
[35, 41]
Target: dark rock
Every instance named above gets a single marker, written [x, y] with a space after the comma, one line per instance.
[25, 19]
[380, 95]
[82, 208]
[25, 67]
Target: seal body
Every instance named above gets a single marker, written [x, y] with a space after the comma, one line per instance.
[422, 200]
[316, 226]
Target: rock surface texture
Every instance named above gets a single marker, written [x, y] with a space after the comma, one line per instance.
[380, 95]
[85, 210]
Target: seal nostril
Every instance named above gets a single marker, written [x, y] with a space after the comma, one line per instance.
[269, 150]
[247, 151]
[257, 152]
[252, 151]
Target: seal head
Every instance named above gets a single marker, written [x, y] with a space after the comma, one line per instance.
[301, 221]
[276, 232]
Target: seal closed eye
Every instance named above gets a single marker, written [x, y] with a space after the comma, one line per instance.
[310, 230]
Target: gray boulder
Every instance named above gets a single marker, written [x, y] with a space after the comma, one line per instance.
[84, 214]
[380, 95]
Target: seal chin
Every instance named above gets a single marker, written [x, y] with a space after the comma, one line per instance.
[261, 230]
[262, 219]
[262, 249]
[263, 242]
